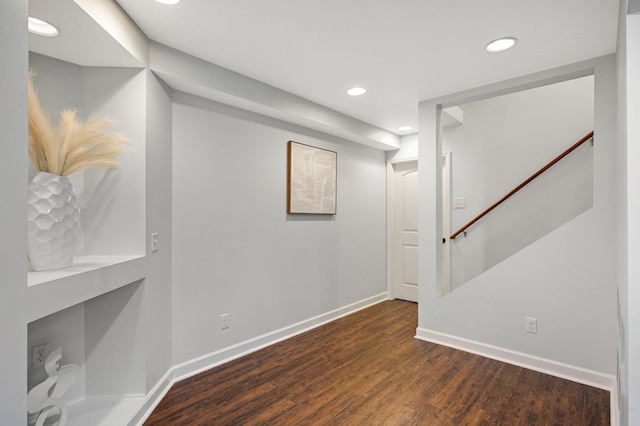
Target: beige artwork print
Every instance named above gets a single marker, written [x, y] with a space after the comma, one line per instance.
[313, 180]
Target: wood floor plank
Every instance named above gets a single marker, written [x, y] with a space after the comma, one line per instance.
[368, 369]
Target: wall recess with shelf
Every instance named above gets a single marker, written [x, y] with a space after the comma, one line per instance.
[112, 201]
[96, 310]
[104, 336]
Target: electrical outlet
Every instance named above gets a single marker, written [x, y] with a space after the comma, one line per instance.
[39, 354]
[531, 325]
[225, 322]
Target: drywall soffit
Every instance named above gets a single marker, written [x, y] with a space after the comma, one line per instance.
[194, 76]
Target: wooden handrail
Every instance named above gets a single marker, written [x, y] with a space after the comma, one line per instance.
[522, 185]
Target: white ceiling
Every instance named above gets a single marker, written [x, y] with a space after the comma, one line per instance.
[402, 51]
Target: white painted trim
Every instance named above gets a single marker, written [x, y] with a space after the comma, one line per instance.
[445, 285]
[531, 362]
[402, 160]
[391, 239]
[198, 365]
[613, 404]
[152, 399]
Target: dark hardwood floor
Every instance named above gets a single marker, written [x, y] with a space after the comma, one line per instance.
[368, 369]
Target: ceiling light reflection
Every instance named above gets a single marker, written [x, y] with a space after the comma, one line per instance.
[40, 27]
[356, 91]
[501, 44]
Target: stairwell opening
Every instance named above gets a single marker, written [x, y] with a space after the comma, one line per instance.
[499, 143]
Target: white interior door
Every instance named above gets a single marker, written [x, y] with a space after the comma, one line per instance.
[406, 231]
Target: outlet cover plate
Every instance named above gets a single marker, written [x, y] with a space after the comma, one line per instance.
[39, 354]
[531, 325]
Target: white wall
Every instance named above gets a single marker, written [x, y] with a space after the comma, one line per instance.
[13, 223]
[503, 141]
[158, 220]
[236, 251]
[567, 279]
[114, 199]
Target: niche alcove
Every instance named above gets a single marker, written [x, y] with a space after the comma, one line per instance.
[94, 309]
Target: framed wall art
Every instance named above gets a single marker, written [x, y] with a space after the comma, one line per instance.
[311, 179]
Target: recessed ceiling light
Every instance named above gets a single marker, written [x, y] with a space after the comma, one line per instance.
[356, 91]
[43, 28]
[405, 128]
[168, 1]
[501, 44]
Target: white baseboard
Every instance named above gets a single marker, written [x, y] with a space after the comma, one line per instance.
[554, 368]
[206, 362]
[152, 399]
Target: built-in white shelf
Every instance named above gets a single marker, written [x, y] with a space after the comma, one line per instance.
[89, 277]
[103, 411]
[94, 313]
[95, 309]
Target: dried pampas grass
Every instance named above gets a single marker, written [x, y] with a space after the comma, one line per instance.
[73, 146]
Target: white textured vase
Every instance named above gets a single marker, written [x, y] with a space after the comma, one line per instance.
[53, 222]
